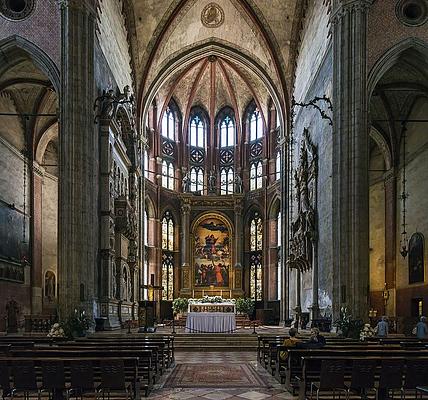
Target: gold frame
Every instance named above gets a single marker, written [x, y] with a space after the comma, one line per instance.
[195, 224]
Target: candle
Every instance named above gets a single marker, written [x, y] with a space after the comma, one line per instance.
[221, 293]
[230, 294]
[193, 293]
[202, 292]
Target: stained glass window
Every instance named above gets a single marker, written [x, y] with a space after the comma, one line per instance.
[168, 124]
[167, 275]
[278, 166]
[167, 232]
[256, 125]
[226, 180]
[256, 175]
[196, 179]
[167, 175]
[256, 233]
[256, 276]
[197, 132]
[146, 164]
[227, 132]
[278, 243]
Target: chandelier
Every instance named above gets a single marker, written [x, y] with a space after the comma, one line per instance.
[404, 195]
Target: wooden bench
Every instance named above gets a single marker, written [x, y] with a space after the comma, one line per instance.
[145, 357]
[311, 368]
[295, 367]
[130, 368]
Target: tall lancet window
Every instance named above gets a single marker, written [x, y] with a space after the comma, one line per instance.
[168, 124]
[167, 256]
[227, 132]
[278, 245]
[256, 245]
[146, 258]
[168, 174]
[256, 175]
[226, 180]
[196, 179]
[278, 166]
[256, 126]
[197, 132]
[226, 140]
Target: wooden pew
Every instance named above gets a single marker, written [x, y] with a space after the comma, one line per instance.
[311, 367]
[145, 357]
[130, 363]
[295, 367]
[158, 360]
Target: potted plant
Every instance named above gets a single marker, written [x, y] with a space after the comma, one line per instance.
[348, 327]
[77, 325]
[245, 306]
[179, 305]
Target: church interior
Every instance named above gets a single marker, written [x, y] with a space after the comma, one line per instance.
[178, 175]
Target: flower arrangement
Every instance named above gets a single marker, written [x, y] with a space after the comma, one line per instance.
[57, 331]
[367, 332]
[212, 300]
[78, 324]
[346, 326]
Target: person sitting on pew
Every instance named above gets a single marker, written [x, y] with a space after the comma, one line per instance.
[382, 327]
[316, 340]
[421, 329]
[292, 341]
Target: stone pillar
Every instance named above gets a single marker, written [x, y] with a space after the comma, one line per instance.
[185, 209]
[390, 237]
[37, 256]
[238, 241]
[350, 158]
[78, 225]
[238, 232]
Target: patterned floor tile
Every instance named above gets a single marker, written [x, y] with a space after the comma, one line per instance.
[217, 395]
[254, 395]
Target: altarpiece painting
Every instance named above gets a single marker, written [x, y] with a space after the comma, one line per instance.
[211, 253]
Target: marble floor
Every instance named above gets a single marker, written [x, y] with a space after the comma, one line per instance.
[273, 391]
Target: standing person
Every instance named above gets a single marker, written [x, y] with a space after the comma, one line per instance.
[382, 327]
[422, 329]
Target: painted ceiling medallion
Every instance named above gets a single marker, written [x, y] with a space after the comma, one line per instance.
[212, 16]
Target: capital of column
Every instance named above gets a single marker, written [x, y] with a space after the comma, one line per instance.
[89, 5]
[344, 7]
[185, 208]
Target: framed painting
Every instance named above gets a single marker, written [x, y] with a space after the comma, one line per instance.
[212, 252]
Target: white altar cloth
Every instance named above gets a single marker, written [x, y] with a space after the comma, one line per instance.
[210, 322]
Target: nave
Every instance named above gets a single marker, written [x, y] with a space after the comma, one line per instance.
[165, 366]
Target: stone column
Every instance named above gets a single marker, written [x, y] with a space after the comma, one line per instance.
[390, 237]
[237, 283]
[350, 158]
[37, 267]
[185, 209]
[78, 225]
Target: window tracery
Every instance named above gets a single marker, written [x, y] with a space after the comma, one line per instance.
[256, 257]
[167, 256]
[167, 175]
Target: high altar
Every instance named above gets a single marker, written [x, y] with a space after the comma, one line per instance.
[211, 317]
